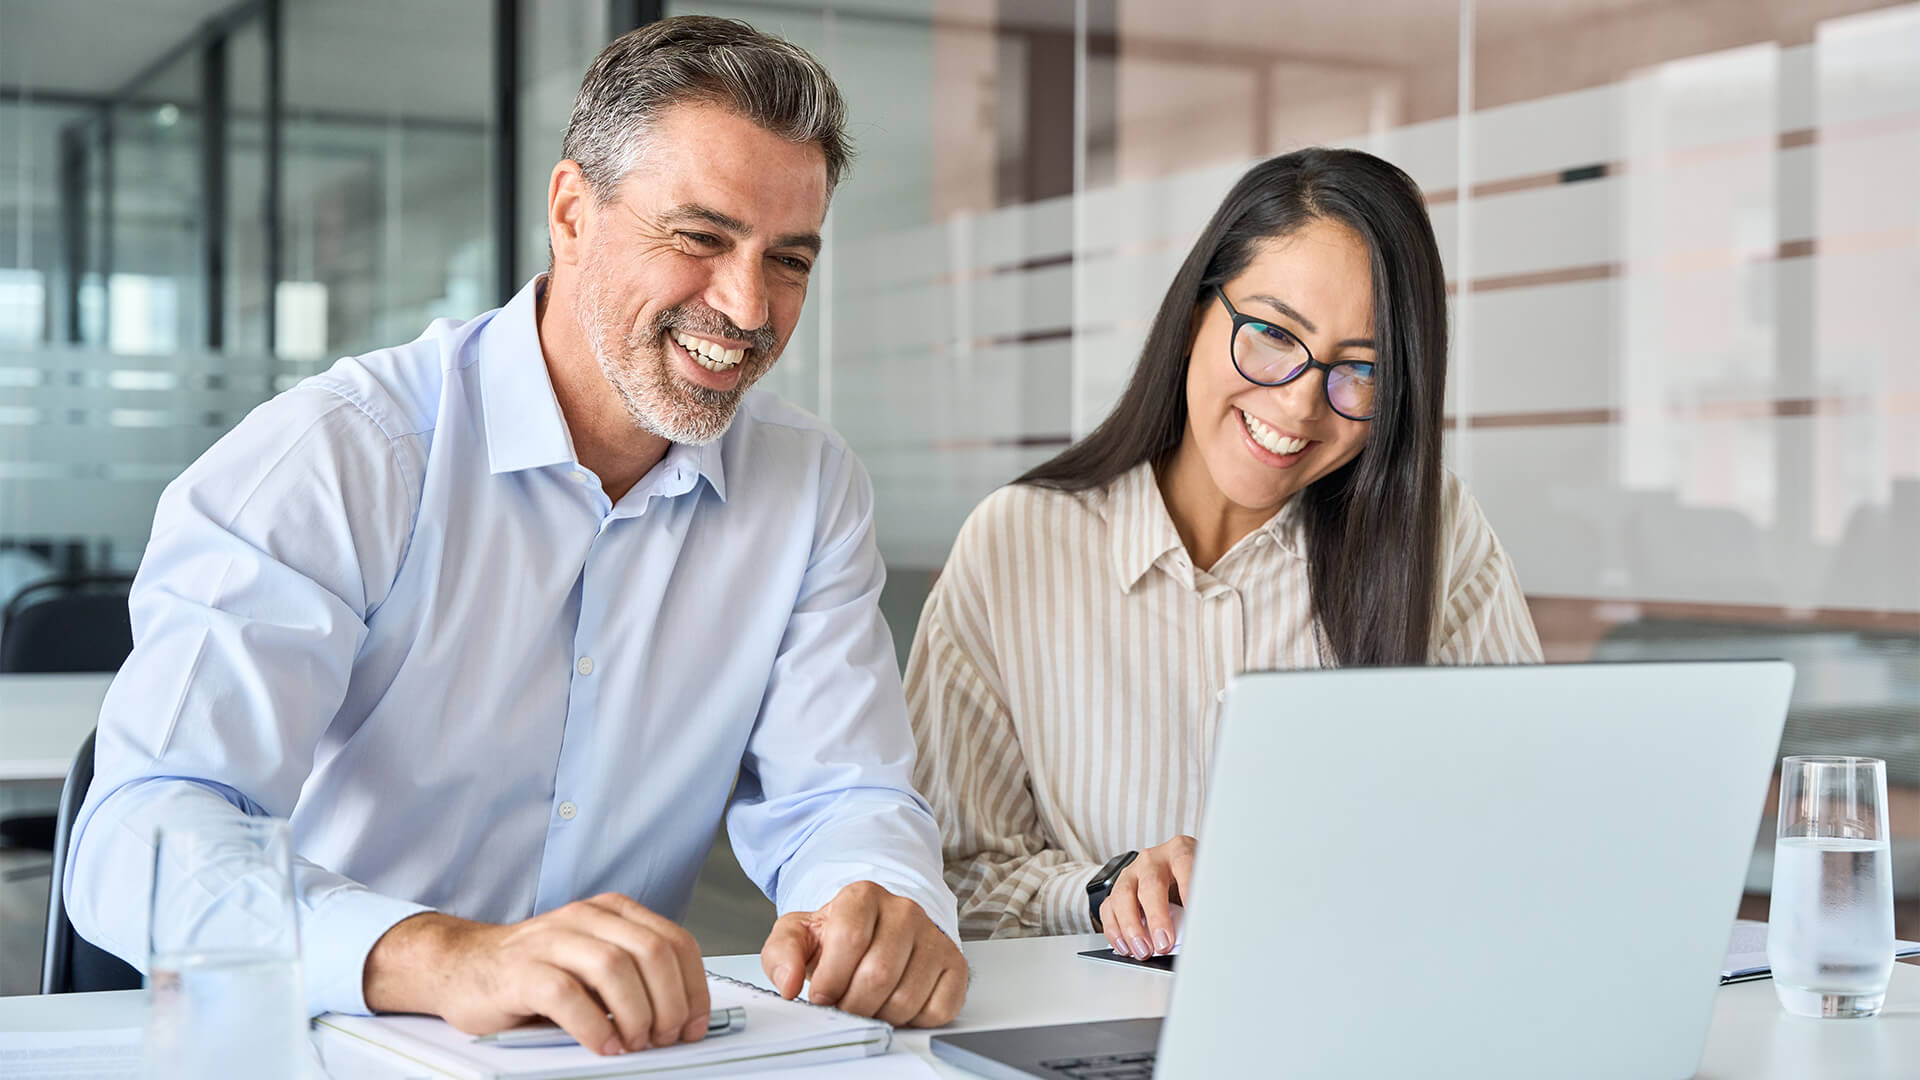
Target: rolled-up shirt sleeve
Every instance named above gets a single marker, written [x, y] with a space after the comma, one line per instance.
[1010, 876]
[825, 795]
[266, 559]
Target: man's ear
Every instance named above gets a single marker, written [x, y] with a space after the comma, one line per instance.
[569, 212]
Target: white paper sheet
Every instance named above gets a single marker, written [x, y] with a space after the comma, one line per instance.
[898, 1065]
[114, 1054]
[776, 1030]
[1747, 952]
[111, 1054]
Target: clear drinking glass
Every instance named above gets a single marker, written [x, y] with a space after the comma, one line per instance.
[1830, 930]
[224, 954]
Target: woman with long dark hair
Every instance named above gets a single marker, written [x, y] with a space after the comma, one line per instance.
[1267, 494]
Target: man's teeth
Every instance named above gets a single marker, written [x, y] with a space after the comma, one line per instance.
[707, 354]
[1273, 441]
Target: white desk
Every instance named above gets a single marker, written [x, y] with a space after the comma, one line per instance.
[43, 721]
[1040, 981]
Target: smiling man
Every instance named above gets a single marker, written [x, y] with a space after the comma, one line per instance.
[506, 618]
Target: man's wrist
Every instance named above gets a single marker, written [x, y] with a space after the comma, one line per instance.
[411, 963]
[934, 901]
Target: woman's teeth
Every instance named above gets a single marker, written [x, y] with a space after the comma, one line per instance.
[707, 354]
[1271, 440]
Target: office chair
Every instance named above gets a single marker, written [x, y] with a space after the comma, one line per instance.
[73, 964]
[69, 624]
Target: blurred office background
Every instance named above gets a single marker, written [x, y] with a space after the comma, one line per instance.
[1683, 240]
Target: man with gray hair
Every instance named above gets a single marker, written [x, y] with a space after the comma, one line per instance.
[506, 618]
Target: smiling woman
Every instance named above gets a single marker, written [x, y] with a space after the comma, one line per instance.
[1267, 494]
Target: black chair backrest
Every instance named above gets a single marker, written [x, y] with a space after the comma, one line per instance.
[73, 964]
[67, 624]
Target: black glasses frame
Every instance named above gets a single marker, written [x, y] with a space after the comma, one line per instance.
[1326, 383]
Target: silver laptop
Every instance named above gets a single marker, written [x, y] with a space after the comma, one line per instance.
[1476, 872]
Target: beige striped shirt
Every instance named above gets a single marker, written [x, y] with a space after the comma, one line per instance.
[1068, 670]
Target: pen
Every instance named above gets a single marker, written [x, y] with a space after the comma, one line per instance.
[719, 1022]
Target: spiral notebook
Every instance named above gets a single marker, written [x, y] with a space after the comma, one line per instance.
[779, 1034]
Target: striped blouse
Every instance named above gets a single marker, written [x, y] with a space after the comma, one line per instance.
[1067, 676]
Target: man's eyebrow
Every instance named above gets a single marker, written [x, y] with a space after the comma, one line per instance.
[694, 212]
[1306, 324]
[707, 215]
[808, 240]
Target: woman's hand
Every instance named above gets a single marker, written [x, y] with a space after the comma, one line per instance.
[1135, 915]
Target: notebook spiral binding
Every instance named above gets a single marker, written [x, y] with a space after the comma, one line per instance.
[885, 1046]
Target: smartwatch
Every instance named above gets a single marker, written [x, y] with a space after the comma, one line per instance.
[1102, 884]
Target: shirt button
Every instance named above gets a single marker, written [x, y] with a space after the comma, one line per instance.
[567, 810]
[1221, 697]
[585, 666]
[578, 476]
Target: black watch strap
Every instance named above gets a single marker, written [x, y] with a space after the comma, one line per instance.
[1102, 884]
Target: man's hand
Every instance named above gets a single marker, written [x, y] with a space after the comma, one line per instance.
[614, 975]
[871, 953]
[1135, 915]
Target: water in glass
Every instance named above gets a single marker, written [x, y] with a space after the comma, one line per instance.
[226, 1013]
[1830, 932]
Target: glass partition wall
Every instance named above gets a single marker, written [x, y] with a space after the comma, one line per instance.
[201, 202]
[1681, 242]
[263, 187]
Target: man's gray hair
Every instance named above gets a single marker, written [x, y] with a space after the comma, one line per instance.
[698, 58]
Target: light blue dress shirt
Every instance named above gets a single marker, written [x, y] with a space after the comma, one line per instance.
[392, 606]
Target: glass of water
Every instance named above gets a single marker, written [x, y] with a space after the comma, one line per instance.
[224, 953]
[1830, 930]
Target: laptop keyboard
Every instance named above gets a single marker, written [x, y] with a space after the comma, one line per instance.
[1105, 1067]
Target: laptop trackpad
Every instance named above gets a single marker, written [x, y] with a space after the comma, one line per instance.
[1022, 1051]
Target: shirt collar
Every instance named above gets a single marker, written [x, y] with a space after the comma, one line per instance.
[1142, 532]
[1287, 529]
[707, 458]
[525, 428]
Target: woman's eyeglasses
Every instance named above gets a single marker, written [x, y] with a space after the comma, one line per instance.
[1267, 355]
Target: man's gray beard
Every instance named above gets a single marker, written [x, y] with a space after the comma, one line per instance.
[658, 403]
